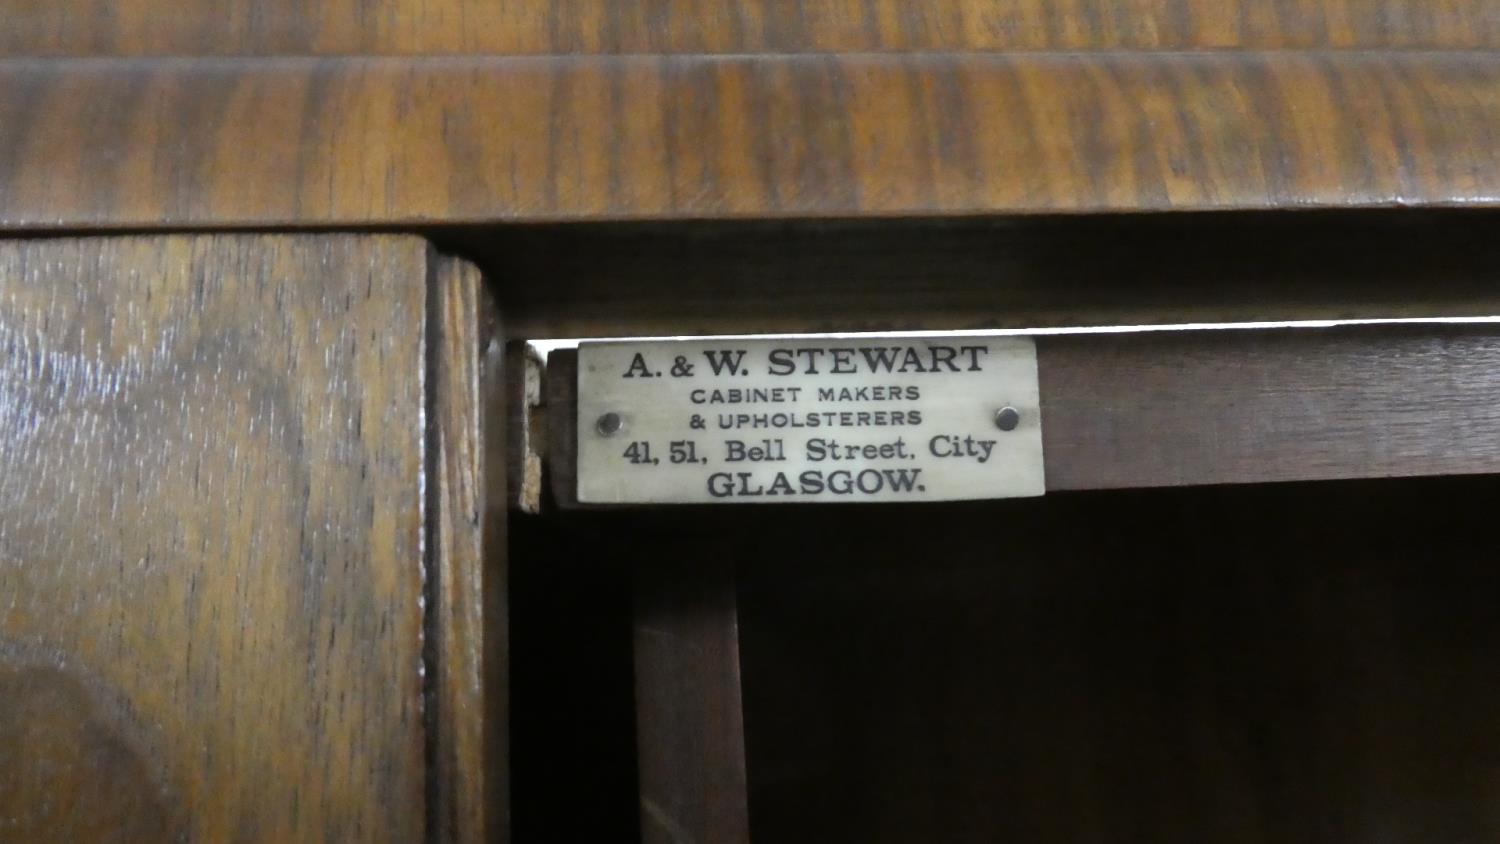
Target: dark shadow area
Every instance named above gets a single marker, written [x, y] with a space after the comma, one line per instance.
[1279, 663]
[620, 279]
[572, 695]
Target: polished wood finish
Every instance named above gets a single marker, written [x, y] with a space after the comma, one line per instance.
[1183, 408]
[467, 624]
[447, 27]
[670, 279]
[318, 142]
[211, 538]
[236, 601]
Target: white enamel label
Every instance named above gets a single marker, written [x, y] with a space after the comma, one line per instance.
[796, 421]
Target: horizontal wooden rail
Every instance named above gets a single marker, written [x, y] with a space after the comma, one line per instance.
[233, 142]
[1181, 408]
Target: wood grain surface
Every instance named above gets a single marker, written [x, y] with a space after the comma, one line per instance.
[211, 539]
[301, 141]
[467, 630]
[384, 27]
[1230, 407]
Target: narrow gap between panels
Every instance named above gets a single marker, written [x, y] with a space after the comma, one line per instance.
[544, 346]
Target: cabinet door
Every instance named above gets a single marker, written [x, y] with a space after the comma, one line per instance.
[211, 538]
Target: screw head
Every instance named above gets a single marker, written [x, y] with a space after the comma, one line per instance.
[1008, 419]
[609, 424]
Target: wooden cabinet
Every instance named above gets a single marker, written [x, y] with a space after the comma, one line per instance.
[265, 569]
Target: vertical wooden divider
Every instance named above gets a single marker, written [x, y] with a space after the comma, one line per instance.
[467, 621]
[690, 726]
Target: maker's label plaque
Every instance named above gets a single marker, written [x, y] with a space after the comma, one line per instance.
[825, 420]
